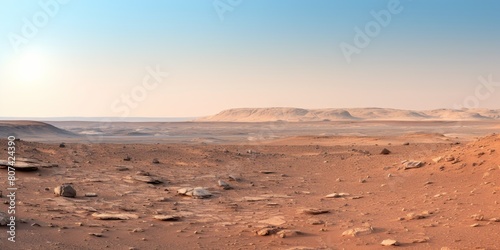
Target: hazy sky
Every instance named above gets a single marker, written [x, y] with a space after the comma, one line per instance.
[95, 58]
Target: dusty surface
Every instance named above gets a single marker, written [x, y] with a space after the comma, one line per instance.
[280, 190]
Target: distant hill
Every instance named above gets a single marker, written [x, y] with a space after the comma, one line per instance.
[303, 115]
[31, 129]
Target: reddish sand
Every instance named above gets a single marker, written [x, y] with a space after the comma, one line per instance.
[453, 201]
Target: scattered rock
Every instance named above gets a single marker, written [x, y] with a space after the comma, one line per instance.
[26, 164]
[197, 192]
[315, 222]
[167, 217]
[413, 164]
[127, 158]
[367, 229]
[406, 144]
[475, 225]
[477, 217]
[449, 158]
[223, 185]
[65, 190]
[4, 219]
[495, 220]
[422, 240]
[415, 216]
[114, 216]
[314, 211]
[437, 159]
[233, 177]
[337, 195]
[122, 168]
[267, 231]
[254, 199]
[90, 195]
[96, 234]
[146, 178]
[156, 161]
[62, 145]
[389, 242]
[288, 233]
[385, 151]
[365, 152]
[266, 172]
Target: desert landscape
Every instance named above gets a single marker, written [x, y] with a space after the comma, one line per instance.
[285, 180]
[246, 124]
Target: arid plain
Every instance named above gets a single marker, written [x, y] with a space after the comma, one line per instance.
[250, 180]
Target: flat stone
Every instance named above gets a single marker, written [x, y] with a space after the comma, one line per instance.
[415, 216]
[254, 199]
[146, 179]
[314, 211]
[267, 172]
[413, 164]
[122, 168]
[167, 217]
[389, 242]
[197, 192]
[358, 231]
[114, 216]
[336, 195]
[26, 164]
[90, 195]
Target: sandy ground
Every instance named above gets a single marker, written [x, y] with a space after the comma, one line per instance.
[451, 201]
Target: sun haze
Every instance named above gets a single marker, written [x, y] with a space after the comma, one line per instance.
[195, 58]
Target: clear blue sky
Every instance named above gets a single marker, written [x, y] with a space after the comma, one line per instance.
[263, 53]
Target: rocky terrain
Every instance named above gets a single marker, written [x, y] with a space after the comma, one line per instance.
[420, 191]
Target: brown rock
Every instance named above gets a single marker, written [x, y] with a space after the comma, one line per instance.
[385, 151]
[65, 190]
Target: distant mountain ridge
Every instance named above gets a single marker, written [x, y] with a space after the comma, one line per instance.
[346, 114]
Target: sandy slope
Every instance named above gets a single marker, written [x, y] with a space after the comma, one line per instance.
[297, 114]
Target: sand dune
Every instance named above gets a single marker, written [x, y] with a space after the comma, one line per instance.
[31, 129]
[297, 114]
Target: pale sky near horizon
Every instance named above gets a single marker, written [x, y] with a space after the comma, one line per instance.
[81, 58]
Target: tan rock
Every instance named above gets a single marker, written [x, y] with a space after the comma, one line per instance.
[359, 231]
[336, 195]
[314, 211]
[389, 242]
[114, 216]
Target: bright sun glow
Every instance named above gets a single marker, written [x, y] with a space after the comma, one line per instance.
[30, 66]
